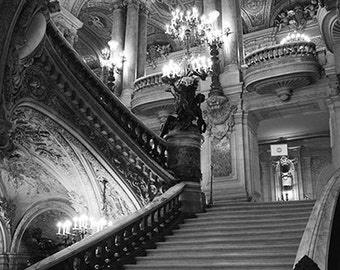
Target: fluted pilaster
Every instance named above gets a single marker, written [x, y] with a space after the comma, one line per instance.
[131, 50]
[118, 34]
[142, 40]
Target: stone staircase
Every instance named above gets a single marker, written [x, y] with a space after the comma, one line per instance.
[234, 235]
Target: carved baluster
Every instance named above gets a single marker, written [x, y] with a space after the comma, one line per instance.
[87, 260]
[76, 264]
[97, 260]
[108, 253]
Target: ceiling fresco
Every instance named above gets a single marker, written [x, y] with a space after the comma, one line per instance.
[50, 163]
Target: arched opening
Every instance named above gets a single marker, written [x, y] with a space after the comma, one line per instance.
[39, 240]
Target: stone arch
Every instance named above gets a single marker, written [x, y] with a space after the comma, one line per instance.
[5, 237]
[125, 192]
[35, 210]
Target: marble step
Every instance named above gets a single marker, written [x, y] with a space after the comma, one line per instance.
[263, 204]
[222, 248]
[184, 259]
[244, 228]
[225, 222]
[215, 266]
[219, 242]
[236, 235]
[254, 211]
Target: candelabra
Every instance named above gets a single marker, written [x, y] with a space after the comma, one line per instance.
[192, 30]
[71, 232]
[111, 63]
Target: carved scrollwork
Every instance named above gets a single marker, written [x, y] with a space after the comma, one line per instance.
[220, 116]
[35, 81]
[7, 211]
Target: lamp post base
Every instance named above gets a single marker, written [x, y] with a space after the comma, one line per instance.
[184, 154]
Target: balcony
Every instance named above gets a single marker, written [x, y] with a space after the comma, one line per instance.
[281, 68]
[150, 95]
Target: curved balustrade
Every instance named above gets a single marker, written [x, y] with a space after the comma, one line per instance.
[300, 48]
[126, 239]
[148, 81]
[150, 92]
[153, 145]
[282, 68]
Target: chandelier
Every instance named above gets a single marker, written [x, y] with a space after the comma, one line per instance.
[71, 232]
[111, 63]
[192, 30]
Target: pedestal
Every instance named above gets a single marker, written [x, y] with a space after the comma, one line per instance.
[184, 155]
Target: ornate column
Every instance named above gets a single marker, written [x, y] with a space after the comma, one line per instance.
[118, 34]
[233, 45]
[307, 177]
[131, 51]
[334, 113]
[267, 181]
[67, 24]
[251, 155]
[239, 155]
[142, 40]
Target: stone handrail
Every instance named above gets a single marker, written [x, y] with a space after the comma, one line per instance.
[122, 242]
[299, 48]
[152, 144]
[316, 238]
[148, 81]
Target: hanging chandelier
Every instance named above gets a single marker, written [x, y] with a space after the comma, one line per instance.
[192, 30]
[80, 227]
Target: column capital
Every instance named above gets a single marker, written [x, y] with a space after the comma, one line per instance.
[134, 3]
[118, 6]
[144, 9]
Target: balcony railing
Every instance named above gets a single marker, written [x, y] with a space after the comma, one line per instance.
[148, 81]
[301, 48]
[126, 239]
[150, 92]
[282, 68]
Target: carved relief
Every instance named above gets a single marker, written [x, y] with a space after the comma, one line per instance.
[296, 18]
[220, 118]
[7, 212]
[221, 156]
[98, 22]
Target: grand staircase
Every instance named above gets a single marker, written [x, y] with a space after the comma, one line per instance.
[234, 235]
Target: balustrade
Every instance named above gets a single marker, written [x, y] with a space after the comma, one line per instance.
[120, 244]
[153, 145]
[299, 48]
[148, 81]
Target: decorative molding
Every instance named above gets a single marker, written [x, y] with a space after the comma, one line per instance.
[68, 24]
[7, 212]
[219, 116]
